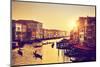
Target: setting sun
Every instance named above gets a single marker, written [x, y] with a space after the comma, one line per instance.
[72, 26]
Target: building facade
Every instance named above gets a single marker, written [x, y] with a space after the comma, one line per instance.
[87, 31]
[18, 31]
[53, 33]
[26, 30]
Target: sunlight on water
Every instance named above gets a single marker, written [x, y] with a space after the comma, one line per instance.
[49, 54]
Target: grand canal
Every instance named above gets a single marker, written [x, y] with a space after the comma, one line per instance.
[49, 54]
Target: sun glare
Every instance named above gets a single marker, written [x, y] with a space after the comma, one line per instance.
[72, 26]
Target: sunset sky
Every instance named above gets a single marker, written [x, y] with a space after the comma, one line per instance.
[53, 16]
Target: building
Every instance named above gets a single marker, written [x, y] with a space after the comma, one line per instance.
[18, 31]
[34, 30]
[74, 37]
[26, 30]
[82, 28]
[87, 31]
[53, 33]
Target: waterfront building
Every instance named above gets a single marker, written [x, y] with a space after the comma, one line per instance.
[87, 31]
[26, 30]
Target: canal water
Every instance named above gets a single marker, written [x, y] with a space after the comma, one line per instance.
[48, 52]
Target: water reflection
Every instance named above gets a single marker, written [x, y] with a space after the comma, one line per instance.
[40, 53]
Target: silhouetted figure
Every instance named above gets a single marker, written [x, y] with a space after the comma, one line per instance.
[36, 55]
[20, 52]
[52, 45]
